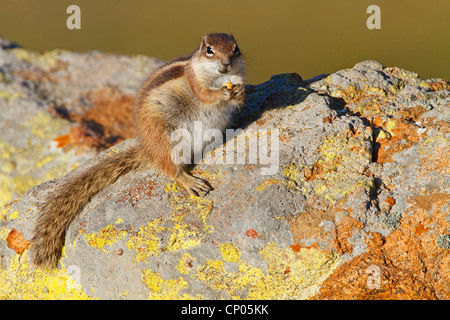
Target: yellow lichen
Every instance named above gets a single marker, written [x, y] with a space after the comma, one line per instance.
[433, 143]
[112, 151]
[293, 274]
[46, 60]
[44, 125]
[4, 213]
[105, 237]
[292, 173]
[4, 232]
[209, 176]
[23, 182]
[13, 215]
[20, 281]
[188, 235]
[268, 183]
[172, 187]
[390, 126]
[213, 274]
[146, 243]
[23, 166]
[229, 252]
[343, 156]
[161, 289]
[183, 237]
[289, 275]
[8, 95]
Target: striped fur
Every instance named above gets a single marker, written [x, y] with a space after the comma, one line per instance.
[184, 90]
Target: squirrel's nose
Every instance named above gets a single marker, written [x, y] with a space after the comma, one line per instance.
[226, 61]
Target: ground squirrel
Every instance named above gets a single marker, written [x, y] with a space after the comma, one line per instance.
[187, 89]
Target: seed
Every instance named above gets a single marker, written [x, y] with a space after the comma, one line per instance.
[229, 85]
[119, 252]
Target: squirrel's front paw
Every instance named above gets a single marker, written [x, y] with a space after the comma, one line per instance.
[226, 93]
[238, 91]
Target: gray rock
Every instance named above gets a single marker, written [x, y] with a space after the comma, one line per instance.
[330, 192]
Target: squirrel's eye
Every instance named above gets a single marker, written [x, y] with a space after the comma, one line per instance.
[209, 50]
[236, 50]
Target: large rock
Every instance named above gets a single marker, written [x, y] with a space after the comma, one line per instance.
[355, 204]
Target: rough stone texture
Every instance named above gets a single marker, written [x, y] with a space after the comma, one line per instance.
[359, 207]
[409, 118]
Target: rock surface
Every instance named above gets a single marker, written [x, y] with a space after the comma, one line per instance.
[356, 207]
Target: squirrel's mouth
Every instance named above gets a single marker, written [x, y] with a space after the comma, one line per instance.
[223, 70]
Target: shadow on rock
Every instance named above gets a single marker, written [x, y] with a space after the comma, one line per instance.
[279, 92]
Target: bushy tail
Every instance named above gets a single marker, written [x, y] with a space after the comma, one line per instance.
[67, 201]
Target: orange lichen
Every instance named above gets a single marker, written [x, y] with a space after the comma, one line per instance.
[251, 233]
[62, 141]
[418, 230]
[410, 264]
[440, 84]
[404, 135]
[17, 242]
[397, 131]
[410, 261]
[108, 122]
[390, 201]
[328, 119]
[307, 224]
[344, 231]
[138, 192]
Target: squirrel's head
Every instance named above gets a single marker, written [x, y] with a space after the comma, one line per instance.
[220, 52]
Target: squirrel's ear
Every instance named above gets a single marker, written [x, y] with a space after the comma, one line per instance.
[203, 44]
